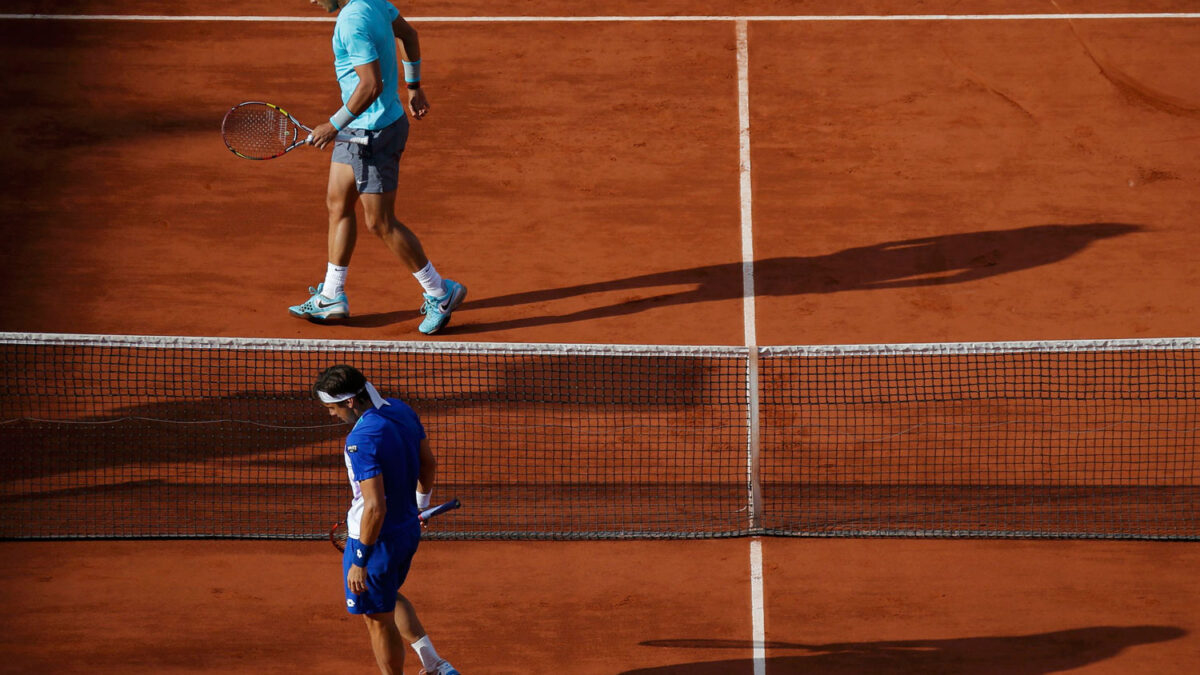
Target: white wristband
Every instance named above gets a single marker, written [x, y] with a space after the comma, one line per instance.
[341, 118]
[422, 500]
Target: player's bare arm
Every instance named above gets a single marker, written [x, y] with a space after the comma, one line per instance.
[374, 509]
[428, 471]
[409, 49]
[370, 86]
[426, 475]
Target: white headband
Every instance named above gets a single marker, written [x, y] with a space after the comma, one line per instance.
[376, 399]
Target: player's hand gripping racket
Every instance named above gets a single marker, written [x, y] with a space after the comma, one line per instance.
[257, 130]
[338, 534]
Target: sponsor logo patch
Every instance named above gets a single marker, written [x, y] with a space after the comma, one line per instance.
[351, 448]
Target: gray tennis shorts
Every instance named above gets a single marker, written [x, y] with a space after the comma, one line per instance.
[377, 164]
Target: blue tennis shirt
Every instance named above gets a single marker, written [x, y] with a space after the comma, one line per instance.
[386, 441]
[362, 34]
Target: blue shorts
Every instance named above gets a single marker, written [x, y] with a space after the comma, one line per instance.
[386, 571]
[377, 164]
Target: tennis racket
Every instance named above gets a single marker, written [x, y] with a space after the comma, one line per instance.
[257, 130]
[339, 534]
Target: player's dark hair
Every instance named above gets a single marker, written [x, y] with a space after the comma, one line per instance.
[340, 379]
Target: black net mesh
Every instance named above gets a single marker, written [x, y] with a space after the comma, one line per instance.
[187, 437]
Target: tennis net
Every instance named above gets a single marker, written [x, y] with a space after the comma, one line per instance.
[128, 436]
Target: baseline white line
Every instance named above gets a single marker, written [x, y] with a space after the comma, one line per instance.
[756, 607]
[586, 19]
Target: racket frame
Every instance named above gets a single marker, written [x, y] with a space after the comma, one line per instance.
[297, 127]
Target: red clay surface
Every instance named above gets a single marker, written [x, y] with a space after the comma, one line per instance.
[928, 194]
[992, 184]
[272, 607]
[912, 182]
[662, 608]
[546, 179]
[991, 607]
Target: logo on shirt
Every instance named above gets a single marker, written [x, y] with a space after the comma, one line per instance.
[351, 448]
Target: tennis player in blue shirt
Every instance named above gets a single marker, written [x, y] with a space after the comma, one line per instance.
[392, 470]
[365, 40]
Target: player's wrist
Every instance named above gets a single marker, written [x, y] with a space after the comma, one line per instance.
[412, 86]
[362, 552]
[412, 73]
[341, 118]
[422, 500]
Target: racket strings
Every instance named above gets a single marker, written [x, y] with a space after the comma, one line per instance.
[258, 131]
[338, 536]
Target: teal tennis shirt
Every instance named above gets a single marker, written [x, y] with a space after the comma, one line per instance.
[362, 34]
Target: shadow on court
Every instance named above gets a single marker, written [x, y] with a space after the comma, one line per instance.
[158, 433]
[246, 463]
[1013, 655]
[381, 319]
[911, 263]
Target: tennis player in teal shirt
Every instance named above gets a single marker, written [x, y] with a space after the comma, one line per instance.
[392, 470]
[369, 38]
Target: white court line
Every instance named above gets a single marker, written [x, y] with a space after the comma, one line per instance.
[749, 317]
[587, 19]
[743, 66]
[757, 618]
[756, 607]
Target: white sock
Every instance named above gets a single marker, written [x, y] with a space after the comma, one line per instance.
[335, 281]
[428, 655]
[431, 281]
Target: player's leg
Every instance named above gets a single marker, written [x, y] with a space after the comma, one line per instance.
[442, 296]
[410, 628]
[386, 643]
[378, 192]
[385, 570]
[379, 215]
[379, 178]
[340, 198]
[327, 302]
[406, 620]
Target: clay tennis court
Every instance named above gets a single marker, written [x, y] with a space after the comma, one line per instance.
[911, 180]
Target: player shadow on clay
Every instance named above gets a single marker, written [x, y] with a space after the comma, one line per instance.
[911, 263]
[1035, 654]
[215, 430]
[186, 460]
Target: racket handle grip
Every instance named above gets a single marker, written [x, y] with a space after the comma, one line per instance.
[357, 140]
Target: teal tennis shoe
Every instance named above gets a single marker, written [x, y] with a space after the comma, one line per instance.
[437, 310]
[320, 309]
